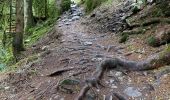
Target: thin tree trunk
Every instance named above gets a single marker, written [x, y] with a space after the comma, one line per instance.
[28, 15]
[18, 36]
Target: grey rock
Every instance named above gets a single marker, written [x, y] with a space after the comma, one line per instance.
[45, 48]
[60, 25]
[88, 43]
[67, 23]
[83, 61]
[132, 92]
[75, 18]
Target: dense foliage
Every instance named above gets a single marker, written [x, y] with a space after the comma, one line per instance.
[92, 4]
[41, 9]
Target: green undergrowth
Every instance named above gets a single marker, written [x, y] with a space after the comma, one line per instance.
[23, 63]
[90, 5]
[160, 10]
[65, 5]
[37, 32]
[6, 58]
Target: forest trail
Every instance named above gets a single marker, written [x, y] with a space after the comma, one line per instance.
[80, 50]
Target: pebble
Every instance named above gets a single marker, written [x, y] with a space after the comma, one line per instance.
[60, 25]
[120, 78]
[67, 23]
[6, 88]
[118, 73]
[88, 43]
[111, 81]
[75, 18]
[113, 86]
[44, 48]
[96, 59]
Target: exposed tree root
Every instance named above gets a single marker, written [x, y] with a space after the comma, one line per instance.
[60, 71]
[153, 62]
[118, 96]
[147, 22]
[83, 92]
[135, 31]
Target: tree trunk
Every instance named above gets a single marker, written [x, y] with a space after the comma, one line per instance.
[28, 15]
[58, 5]
[18, 36]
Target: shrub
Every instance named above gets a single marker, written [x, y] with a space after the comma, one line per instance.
[65, 5]
[152, 41]
[53, 11]
[92, 4]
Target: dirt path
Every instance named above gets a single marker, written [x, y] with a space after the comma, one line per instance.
[81, 49]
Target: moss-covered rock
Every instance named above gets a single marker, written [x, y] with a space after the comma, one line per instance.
[124, 38]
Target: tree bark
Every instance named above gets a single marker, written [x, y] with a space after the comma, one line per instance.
[18, 36]
[28, 15]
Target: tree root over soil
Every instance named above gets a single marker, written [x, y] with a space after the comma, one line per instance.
[153, 62]
[147, 22]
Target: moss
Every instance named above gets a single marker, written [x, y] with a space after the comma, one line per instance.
[90, 5]
[124, 38]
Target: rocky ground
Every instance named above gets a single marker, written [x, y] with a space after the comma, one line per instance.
[63, 59]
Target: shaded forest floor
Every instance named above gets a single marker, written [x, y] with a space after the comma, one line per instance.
[74, 48]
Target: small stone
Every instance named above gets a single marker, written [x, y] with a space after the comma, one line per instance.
[67, 23]
[88, 43]
[6, 88]
[132, 92]
[70, 20]
[113, 86]
[145, 73]
[107, 82]
[129, 80]
[44, 48]
[59, 25]
[111, 81]
[98, 90]
[56, 97]
[140, 56]
[120, 78]
[118, 73]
